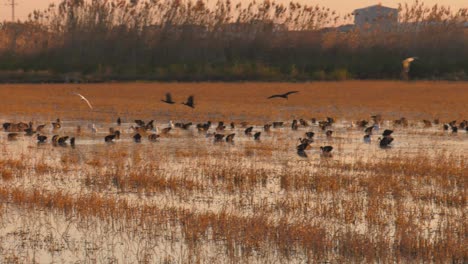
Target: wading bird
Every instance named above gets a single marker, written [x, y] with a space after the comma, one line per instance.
[230, 138]
[257, 135]
[41, 138]
[153, 137]
[285, 95]
[109, 138]
[326, 151]
[137, 138]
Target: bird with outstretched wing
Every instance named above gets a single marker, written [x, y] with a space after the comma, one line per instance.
[84, 99]
[190, 102]
[285, 95]
[168, 99]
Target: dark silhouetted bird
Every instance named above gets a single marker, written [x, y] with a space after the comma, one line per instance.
[137, 138]
[309, 135]
[140, 123]
[285, 95]
[387, 132]
[278, 124]
[153, 137]
[41, 138]
[62, 140]
[257, 135]
[168, 99]
[294, 125]
[119, 121]
[72, 142]
[248, 131]
[385, 141]
[230, 137]
[109, 138]
[329, 133]
[218, 137]
[301, 153]
[190, 102]
[326, 151]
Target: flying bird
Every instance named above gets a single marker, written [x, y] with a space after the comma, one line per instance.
[168, 99]
[190, 102]
[86, 100]
[407, 63]
[285, 95]
[406, 67]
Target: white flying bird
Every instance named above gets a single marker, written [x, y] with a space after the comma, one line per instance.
[84, 99]
[407, 63]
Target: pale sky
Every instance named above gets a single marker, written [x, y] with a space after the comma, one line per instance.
[342, 6]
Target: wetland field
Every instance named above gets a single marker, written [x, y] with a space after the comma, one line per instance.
[185, 197]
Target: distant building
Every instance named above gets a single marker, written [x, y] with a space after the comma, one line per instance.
[376, 15]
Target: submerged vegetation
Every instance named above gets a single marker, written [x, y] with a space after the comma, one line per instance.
[187, 198]
[198, 40]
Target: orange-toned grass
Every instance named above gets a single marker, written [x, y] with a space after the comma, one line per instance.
[237, 101]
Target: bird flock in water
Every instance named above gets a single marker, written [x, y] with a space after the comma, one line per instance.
[220, 134]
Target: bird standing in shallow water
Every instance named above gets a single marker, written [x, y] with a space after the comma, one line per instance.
[230, 138]
[257, 135]
[137, 138]
[326, 151]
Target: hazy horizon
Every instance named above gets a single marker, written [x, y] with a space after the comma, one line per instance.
[25, 7]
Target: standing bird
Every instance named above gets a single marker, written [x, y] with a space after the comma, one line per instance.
[137, 138]
[41, 138]
[406, 67]
[257, 135]
[72, 142]
[230, 137]
[168, 99]
[119, 121]
[326, 151]
[190, 102]
[248, 131]
[153, 137]
[109, 138]
[385, 141]
[86, 100]
[285, 95]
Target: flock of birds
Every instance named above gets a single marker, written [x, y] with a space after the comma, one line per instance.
[153, 133]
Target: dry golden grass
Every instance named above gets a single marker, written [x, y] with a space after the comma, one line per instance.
[239, 101]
